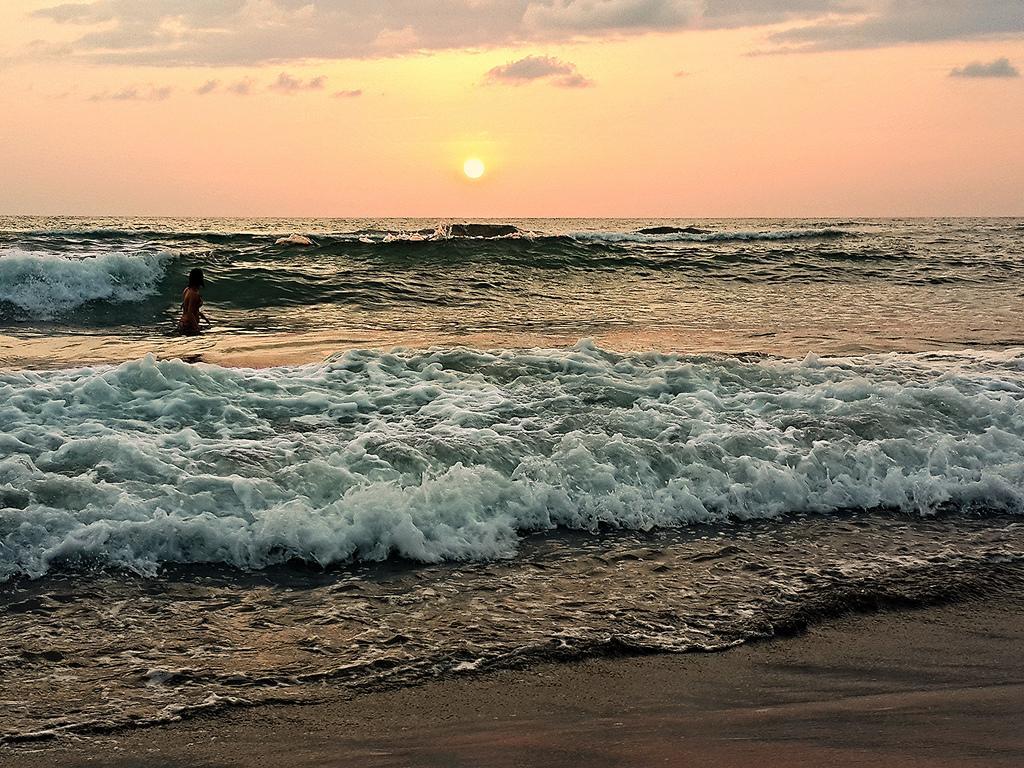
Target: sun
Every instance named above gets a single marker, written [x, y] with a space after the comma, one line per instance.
[473, 168]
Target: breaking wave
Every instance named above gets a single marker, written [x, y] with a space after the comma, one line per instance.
[45, 285]
[443, 231]
[454, 454]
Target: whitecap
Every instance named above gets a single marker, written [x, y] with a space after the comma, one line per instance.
[44, 285]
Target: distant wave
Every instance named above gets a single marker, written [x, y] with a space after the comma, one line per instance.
[663, 230]
[449, 231]
[445, 231]
[45, 285]
[294, 239]
[451, 455]
[695, 235]
[664, 234]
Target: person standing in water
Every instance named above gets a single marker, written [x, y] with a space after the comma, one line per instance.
[191, 303]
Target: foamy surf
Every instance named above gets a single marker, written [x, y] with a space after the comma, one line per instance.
[294, 239]
[44, 285]
[455, 454]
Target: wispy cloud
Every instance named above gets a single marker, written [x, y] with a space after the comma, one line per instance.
[208, 87]
[243, 87]
[349, 94]
[289, 84]
[531, 68]
[135, 93]
[997, 68]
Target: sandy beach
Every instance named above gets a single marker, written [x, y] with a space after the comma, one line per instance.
[939, 687]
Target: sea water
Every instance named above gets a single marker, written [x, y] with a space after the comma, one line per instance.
[176, 536]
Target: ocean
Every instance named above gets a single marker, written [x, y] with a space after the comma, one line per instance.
[414, 449]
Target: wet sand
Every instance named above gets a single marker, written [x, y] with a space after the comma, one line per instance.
[937, 687]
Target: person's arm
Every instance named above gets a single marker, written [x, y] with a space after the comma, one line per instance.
[199, 309]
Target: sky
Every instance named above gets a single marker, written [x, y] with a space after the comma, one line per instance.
[620, 108]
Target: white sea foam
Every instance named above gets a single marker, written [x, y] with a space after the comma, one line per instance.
[43, 285]
[453, 454]
[294, 239]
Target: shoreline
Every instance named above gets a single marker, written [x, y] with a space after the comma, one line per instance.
[932, 686]
[65, 351]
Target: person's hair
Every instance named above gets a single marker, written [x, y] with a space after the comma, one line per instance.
[195, 278]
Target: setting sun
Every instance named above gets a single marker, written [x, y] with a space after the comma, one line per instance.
[473, 168]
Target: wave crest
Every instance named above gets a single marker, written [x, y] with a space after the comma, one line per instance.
[44, 285]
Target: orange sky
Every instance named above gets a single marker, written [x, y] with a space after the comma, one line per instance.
[575, 106]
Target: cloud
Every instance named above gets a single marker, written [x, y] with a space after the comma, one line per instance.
[531, 68]
[895, 22]
[251, 32]
[604, 15]
[348, 94]
[575, 80]
[208, 87]
[73, 13]
[724, 14]
[135, 93]
[242, 87]
[190, 12]
[997, 68]
[289, 84]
